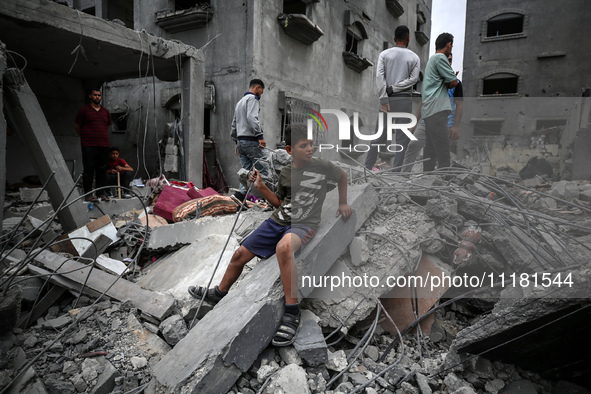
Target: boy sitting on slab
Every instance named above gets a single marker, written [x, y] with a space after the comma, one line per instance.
[301, 191]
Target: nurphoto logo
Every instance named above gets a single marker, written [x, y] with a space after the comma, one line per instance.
[344, 133]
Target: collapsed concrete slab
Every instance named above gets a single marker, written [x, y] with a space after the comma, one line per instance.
[26, 115]
[192, 264]
[176, 235]
[228, 340]
[530, 333]
[152, 303]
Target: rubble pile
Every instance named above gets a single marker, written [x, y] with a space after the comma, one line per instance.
[120, 325]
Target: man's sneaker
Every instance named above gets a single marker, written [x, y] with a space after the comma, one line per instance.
[213, 296]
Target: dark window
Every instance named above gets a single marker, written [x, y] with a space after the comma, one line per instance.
[504, 24]
[351, 45]
[119, 122]
[294, 7]
[499, 84]
[299, 111]
[90, 11]
[185, 4]
[421, 20]
[486, 128]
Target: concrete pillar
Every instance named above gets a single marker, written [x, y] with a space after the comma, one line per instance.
[2, 130]
[193, 92]
[27, 118]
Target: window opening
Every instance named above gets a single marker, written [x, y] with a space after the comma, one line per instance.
[294, 7]
[500, 84]
[505, 24]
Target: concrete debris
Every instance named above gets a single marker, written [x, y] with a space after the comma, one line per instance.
[419, 227]
[310, 344]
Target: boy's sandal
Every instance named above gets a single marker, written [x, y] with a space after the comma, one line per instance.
[210, 296]
[287, 331]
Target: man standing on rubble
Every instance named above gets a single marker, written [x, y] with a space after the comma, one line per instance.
[439, 77]
[92, 126]
[247, 132]
[397, 71]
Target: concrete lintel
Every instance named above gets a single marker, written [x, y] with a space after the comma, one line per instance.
[229, 338]
[27, 118]
[48, 24]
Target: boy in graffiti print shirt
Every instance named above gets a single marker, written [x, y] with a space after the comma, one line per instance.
[301, 191]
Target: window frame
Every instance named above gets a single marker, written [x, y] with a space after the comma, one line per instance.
[486, 20]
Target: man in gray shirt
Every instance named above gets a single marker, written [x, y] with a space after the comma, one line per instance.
[397, 71]
[247, 132]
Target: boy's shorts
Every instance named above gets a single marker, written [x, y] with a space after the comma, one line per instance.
[263, 241]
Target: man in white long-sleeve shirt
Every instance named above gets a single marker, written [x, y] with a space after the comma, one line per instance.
[247, 132]
[397, 71]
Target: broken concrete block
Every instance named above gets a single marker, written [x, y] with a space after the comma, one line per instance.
[566, 190]
[437, 209]
[218, 349]
[289, 355]
[453, 382]
[423, 384]
[585, 195]
[289, 380]
[138, 362]
[266, 370]
[359, 251]
[337, 361]
[521, 387]
[55, 386]
[173, 329]
[10, 308]
[310, 344]
[29, 195]
[149, 342]
[28, 382]
[106, 380]
[496, 385]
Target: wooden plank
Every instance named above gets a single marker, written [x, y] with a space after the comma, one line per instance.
[153, 303]
[98, 223]
[65, 246]
[42, 306]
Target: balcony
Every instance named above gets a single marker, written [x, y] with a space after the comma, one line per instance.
[356, 62]
[182, 20]
[299, 27]
[421, 37]
[394, 7]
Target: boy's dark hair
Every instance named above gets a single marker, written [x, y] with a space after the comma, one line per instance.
[442, 40]
[295, 132]
[401, 32]
[114, 148]
[256, 82]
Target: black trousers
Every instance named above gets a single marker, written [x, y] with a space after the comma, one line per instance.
[437, 143]
[94, 160]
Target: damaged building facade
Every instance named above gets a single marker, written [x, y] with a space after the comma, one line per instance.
[310, 54]
[526, 85]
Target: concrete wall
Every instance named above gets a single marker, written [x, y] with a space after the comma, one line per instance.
[60, 98]
[551, 27]
[253, 45]
[136, 98]
[551, 67]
